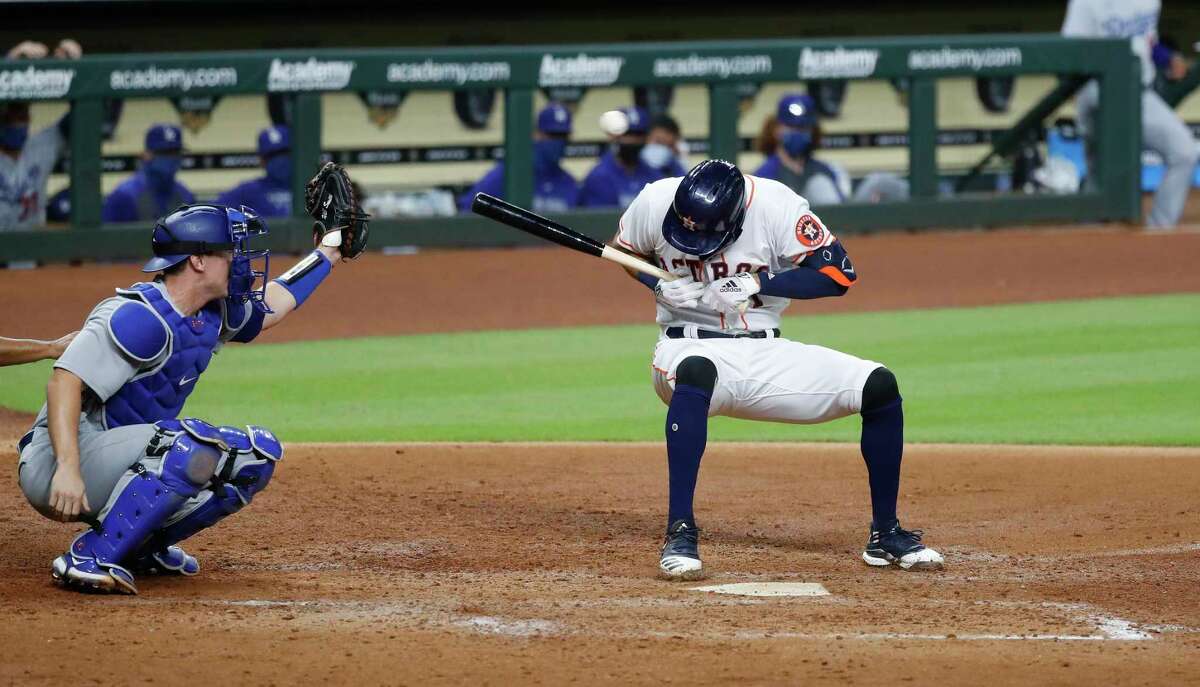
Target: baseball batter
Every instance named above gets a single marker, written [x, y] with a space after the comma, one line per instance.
[744, 247]
[1162, 129]
[107, 448]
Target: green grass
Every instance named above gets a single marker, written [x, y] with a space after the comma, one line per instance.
[1113, 371]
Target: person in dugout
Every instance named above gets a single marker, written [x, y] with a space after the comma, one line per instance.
[621, 172]
[788, 140]
[554, 189]
[665, 147]
[269, 195]
[152, 191]
[27, 159]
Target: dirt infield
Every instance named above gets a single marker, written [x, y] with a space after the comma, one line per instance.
[534, 564]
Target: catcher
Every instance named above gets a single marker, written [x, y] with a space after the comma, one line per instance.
[107, 447]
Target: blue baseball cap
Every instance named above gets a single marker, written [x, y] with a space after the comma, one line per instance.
[797, 109]
[554, 119]
[164, 138]
[639, 119]
[274, 139]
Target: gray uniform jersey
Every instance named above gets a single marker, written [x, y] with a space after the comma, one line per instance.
[1136, 20]
[23, 180]
[104, 455]
[1162, 129]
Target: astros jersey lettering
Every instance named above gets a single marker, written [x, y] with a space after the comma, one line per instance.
[780, 230]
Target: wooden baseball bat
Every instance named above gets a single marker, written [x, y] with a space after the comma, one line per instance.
[519, 218]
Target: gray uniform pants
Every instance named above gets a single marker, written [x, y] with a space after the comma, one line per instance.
[104, 457]
[1164, 133]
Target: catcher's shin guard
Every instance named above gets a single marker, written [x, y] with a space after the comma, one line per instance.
[245, 470]
[141, 502]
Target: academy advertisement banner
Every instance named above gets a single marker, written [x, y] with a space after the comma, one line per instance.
[309, 75]
[695, 66]
[838, 63]
[630, 65]
[974, 59]
[31, 83]
[154, 78]
[579, 70]
[457, 73]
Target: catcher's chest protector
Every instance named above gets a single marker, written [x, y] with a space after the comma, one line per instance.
[159, 394]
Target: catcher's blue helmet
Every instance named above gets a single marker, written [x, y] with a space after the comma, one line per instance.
[708, 211]
[199, 229]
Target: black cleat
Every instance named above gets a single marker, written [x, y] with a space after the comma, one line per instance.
[900, 547]
[680, 559]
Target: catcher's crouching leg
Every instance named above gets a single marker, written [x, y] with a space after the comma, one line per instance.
[141, 502]
[244, 470]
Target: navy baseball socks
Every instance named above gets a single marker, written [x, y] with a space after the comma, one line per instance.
[882, 445]
[687, 434]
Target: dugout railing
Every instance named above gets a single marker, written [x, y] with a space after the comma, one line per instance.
[519, 71]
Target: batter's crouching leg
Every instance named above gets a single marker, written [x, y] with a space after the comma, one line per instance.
[245, 469]
[882, 445]
[687, 435]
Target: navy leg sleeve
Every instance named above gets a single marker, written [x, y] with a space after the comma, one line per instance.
[687, 433]
[882, 444]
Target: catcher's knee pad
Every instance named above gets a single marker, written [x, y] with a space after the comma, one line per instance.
[244, 470]
[880, 390]
[147, 495]
[697, 371]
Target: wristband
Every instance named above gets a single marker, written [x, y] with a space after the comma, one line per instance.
[305, 276]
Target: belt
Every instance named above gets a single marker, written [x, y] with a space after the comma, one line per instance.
[24, 441]
[680, 333]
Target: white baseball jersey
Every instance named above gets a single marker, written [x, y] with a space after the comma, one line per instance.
[1136, 20]
[23, 180]
[779, 231]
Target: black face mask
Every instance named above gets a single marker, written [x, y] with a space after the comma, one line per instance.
[628, 153]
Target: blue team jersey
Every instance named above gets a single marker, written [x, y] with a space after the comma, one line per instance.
[610, 185]
[262, 195]
[134, 201]
[772, 168]
[553, 191]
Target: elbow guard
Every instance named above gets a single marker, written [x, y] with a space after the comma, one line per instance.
[833, 262]
[305, 276]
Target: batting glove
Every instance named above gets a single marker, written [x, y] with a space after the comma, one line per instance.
[683, 292]
[731, 294]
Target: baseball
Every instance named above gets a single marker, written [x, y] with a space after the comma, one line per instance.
[614, 122]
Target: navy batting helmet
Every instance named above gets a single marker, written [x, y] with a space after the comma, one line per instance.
[708, 211]
[200, 229]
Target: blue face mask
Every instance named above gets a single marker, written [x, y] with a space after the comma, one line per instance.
[13, 136]
[797, 143]
[548, 153]
[161, 170]
[279, 169]
[657, 155]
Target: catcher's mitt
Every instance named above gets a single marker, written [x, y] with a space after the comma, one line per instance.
[329, 198]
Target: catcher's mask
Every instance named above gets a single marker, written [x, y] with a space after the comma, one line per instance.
[200, 229]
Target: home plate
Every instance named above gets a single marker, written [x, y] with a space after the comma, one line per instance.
[766, 589]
